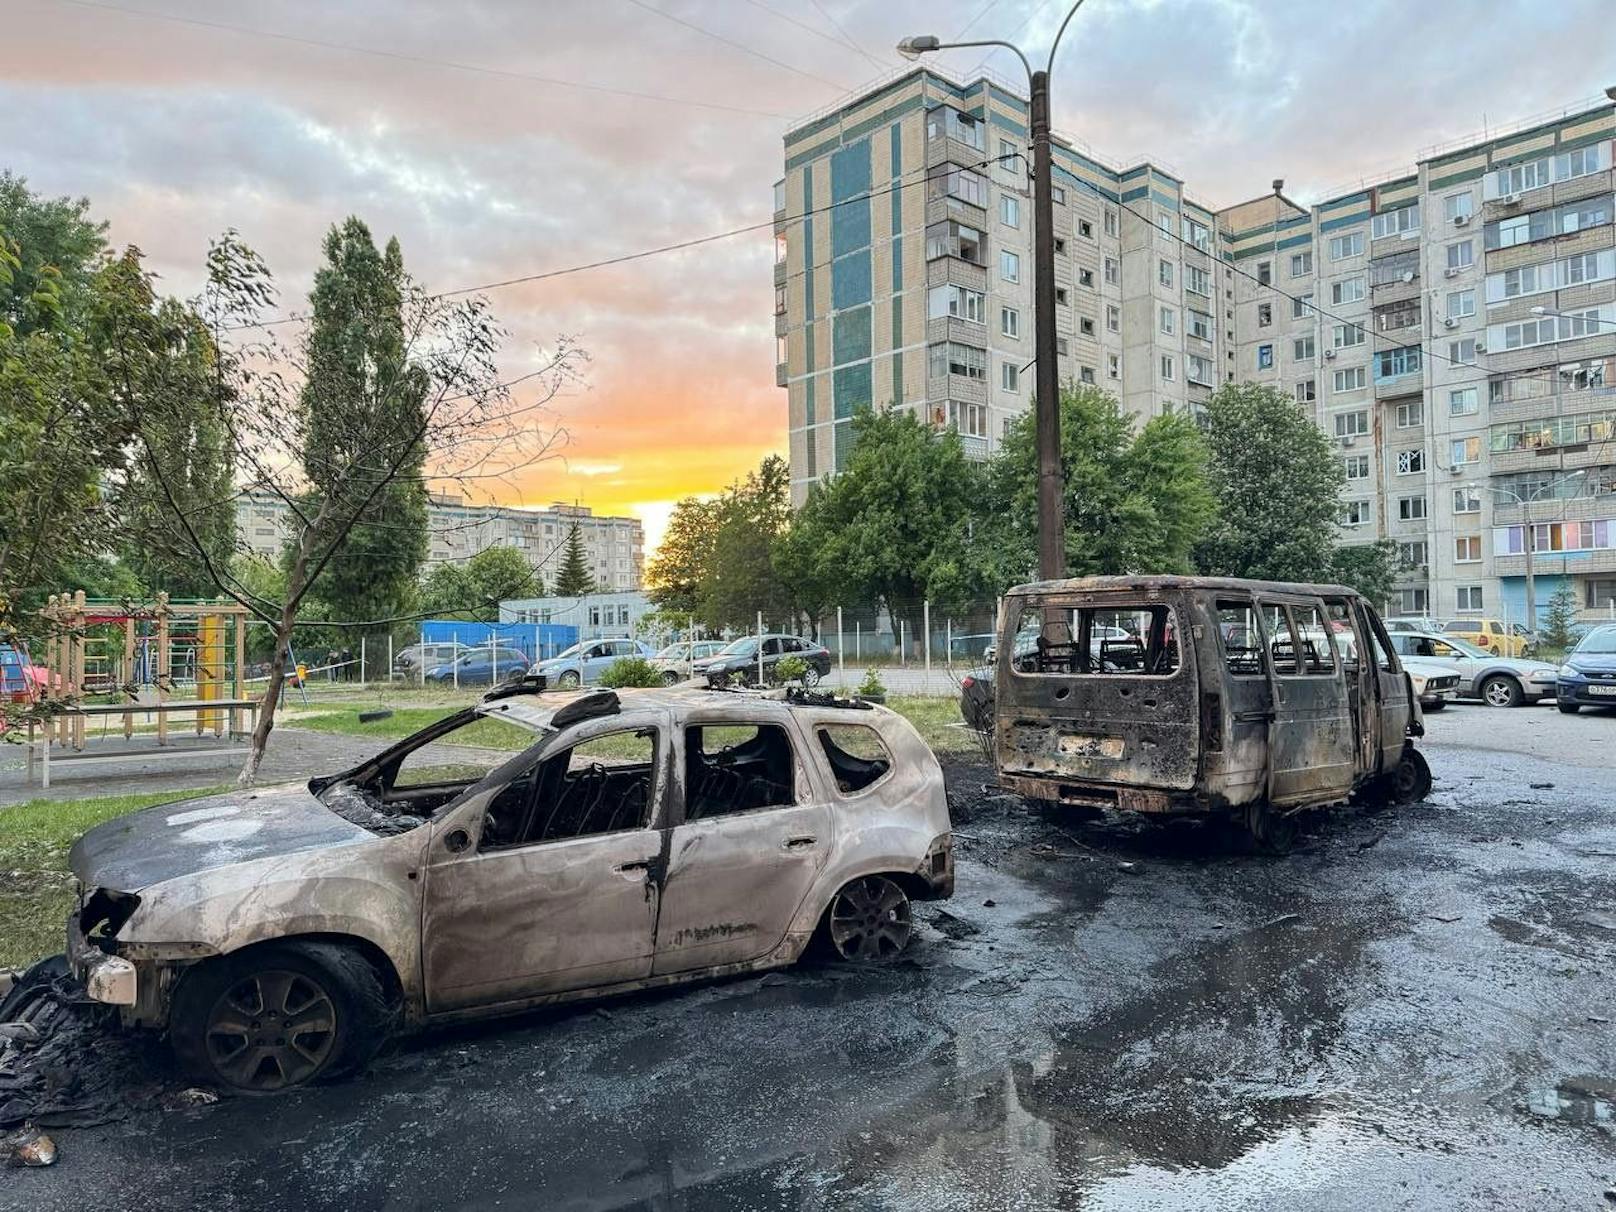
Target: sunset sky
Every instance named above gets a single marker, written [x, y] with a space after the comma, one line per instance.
[278, 127]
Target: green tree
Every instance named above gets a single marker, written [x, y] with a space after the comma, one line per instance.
[676, 573]
[895, 525]
[741, 580]
[1370, 568]
[1134, 502]
[473, 591]
[361, 381]
[1557, 634]
[58, 248]
[1277, 480]
[573, 578]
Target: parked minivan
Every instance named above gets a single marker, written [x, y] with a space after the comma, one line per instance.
[1249, 700]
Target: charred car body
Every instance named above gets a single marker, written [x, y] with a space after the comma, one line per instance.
[278, 935]
[1247, 699]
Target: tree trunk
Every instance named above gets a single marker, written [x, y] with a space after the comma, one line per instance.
[268, 704]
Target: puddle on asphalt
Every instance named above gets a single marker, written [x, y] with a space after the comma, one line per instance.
[1588, 1102]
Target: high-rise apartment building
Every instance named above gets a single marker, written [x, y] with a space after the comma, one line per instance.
[1400, 315]
[614, 547]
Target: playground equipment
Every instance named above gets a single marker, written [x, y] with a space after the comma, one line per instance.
[141, 660]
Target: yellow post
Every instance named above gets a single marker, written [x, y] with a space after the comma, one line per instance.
[78, 666]
[127, 678]
[238, 683]
[209, 671]
[162, 673]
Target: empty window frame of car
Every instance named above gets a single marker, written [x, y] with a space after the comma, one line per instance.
[856, 754]
[738, 767]
[603, 784]
[462, 755]
[1299, 642]
[1138, 639]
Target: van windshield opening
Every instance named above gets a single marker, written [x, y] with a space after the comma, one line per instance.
[1137, 639]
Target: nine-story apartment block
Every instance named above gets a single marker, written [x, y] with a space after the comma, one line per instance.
[1399, 315]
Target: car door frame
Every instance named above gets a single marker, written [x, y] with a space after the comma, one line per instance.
[450, 876]
[1306, 704]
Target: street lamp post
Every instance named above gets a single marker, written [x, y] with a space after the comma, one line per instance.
[1051, 524]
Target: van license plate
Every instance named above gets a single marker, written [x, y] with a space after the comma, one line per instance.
[1611, 690]
[1073, 745]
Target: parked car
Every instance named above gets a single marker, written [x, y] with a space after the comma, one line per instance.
[583, 663]
[1430, 626]
[1495, 680]
[1588, 677]
[417, 657]
[674, 662]
[481, 667]
[1434, 682]
[738, 660]
[976, 699]
[279, 934]
[1493, 635]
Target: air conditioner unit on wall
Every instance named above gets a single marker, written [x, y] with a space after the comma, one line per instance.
[1511, 199]
[1408, 275]
[1450, 272]
[1449, 322]
[1329, 355]
[1460, 220]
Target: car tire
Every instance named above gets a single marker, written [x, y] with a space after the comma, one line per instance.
[670, 678]
[345, 1012]
[1271, 832]
[1569, 708]
[868, 920]
[1501, 690]
[569, 680]
[810, 677]
[1436, 706]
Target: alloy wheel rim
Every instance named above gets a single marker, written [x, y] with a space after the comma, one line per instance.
[870, 920]
[1498, 694]
[271, 1030]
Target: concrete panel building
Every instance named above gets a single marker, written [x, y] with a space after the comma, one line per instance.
[1399, 314]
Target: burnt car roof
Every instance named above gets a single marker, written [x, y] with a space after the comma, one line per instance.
[550, 710]
[1149, 584]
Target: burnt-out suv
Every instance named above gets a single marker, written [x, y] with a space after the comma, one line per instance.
[1251, 700]
[531, 849]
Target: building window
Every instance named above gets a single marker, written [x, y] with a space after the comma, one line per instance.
[1057, 195]
[1587, 322]
[1265, 273]
[958, 302]
[1169, 321]
[1113, 318]
[944, 122]
[1467, 549]
[1466, 500]
[1463, 353]
[1009, 376]
[1085, 326]
[1086, 374]
[1198, 370]
[1265, 314]
[1113, 365]
[1301, 306]
[1398, 316]
[1463, 402]
[1009, 266]
[1197, 234]
[1345, 336]
[1395, 363]
[1061, 346]
[1085, 229]
[1355, 513]
[1411, 415]
[1164, 221]
[967, 418]
[952, 181]
[1461, 303]
[1166, 368]
[1405, 220]
[952, 358]
[1350, 379]
[1412, 554]
[780, 350]
[1410, 509]
[1113, 271]
[951, 239]
[1302, 349]
[1458, 206]
[1307, 390]
[779, 300]
[1110, 222]
[1200, 324]
[1349, 245]
[1601, 593]
[1062, 299]
[1469, 597]
[1347, 290]
[1410, 462]
[1060, 247]
[1009, 210]
[1085, 278]
[1352, 424]
[1356, 467]
[1301, 264]
[1265, 357]
[1461, 255]
[1197, 281]
[1464, 450]
[1164, 272]
[1010, 322]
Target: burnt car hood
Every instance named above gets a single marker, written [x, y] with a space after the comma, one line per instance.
[163, 843]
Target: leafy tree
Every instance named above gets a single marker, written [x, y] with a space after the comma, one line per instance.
[473, 591]
[1133, 502]
[360, 379]
[630, 671]
[741, 580]
[58, 249]
[1557, 634]
[1277, 480]
[675, 575]
[1370, 568]
[895, 524]
[573, 578]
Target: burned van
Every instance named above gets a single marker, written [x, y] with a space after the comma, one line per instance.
[1252, 700]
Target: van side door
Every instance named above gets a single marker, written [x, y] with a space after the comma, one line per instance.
[1246, 706]
[1311, 743]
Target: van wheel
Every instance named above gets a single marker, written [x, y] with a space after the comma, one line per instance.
[1273, 832]
[279, 1016]
[1412, 781]
[869, 919]
[1501, 691]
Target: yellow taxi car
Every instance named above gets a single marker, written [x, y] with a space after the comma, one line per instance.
[1496, 636]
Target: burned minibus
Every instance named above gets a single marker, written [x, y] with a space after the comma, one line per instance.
[1201, 696]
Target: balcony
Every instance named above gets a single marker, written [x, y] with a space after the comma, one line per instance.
[953, 270]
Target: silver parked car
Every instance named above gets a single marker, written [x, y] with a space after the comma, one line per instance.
[583, 663]
[279, 935]
[675, 660]
[1496, 681]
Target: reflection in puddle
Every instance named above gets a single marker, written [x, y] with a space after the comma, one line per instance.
[1584, 1101]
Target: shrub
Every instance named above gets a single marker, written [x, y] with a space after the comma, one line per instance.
[790, 669]
[630, 671]
[872, 684]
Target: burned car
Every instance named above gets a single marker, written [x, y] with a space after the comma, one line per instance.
[611, 843]
[1246, 700]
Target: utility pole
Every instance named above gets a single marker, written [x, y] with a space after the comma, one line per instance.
[1051, 523]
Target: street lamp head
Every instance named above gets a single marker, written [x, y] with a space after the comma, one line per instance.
[1611, 92]
[1279, 184]
[913, 48]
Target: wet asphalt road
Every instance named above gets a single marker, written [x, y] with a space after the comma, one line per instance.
[1412, 1010]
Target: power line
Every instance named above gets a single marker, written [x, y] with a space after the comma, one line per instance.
[804, 26]
[740, 46]
[424, 60]
[847, 37]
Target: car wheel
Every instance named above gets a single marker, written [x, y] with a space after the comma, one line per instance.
[1434, 705]
[670, 678]
[279, 1016]
[1501, 691]
[1569, 708]
[1272, 832]
[569, 680]
[869, 919]
[811, 677]
[1411, 782]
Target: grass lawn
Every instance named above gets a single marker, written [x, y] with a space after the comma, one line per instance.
[36, 889]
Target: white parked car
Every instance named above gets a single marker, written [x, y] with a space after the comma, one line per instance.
[1434, 682]
[1496, 681]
